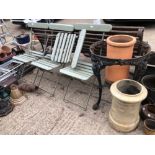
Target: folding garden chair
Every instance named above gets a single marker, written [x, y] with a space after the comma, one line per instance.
[61, 52]
[78, 69]
[32, 55]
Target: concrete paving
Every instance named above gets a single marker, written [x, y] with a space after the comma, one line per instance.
[42, 114]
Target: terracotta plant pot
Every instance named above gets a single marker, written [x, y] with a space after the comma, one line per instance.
[148, 111]
[119, 47]
[5, 54]
[6, 49]
[149, 127]
[127, 96]
[149, 82]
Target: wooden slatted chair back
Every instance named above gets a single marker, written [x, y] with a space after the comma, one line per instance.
[63, 47]
[45, 31]
[56, 28]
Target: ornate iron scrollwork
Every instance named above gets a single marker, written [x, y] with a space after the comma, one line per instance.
[101, 61]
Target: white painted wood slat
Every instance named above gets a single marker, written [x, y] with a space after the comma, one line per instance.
[89, 70]
[24, 59]
[22, 55]
[84, 63]
[79, 71]
[45, 64]
[26, 55]
[65, 48]
[84, 70]
[75, 73]
[55, 46]
[78, 48]
[58, 47]
[48, 68]
[84, 66]
[68, 49]
[71, 48]
[62, 47]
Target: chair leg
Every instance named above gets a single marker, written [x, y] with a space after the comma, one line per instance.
[36, 76]
[41, 78]
[21, 72]
[55, 87]
[89, 94]
[53, 94]
[67, 89]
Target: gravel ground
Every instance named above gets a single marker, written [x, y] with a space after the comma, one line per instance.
[42, 114]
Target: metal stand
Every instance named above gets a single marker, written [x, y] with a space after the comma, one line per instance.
[100, 62]
[89, 94]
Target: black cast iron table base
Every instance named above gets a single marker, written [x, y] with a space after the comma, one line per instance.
[100, 61]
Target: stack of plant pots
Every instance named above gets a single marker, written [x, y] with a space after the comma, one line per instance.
[149, 82]
[151, 65]
[148, 108]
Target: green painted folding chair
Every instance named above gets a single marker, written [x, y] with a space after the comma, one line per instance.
[32, 55]
[61, 52]
[79, 69]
